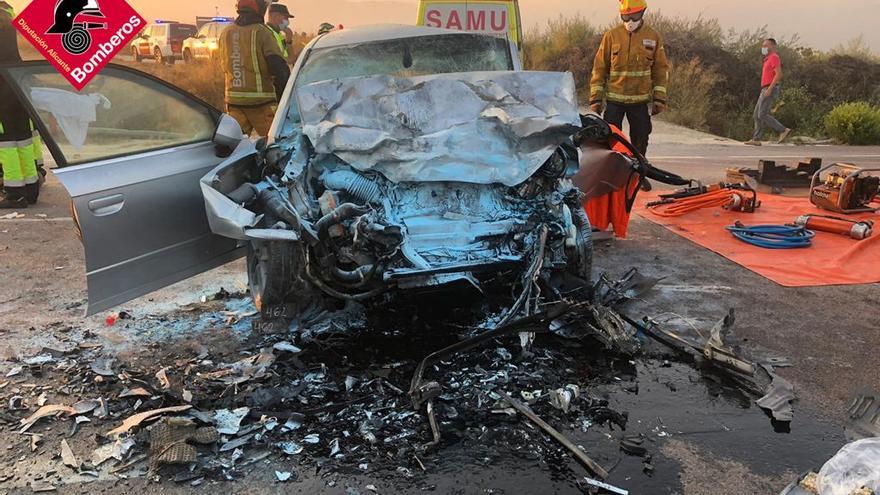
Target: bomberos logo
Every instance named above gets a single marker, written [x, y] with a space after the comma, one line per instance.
[79, 37]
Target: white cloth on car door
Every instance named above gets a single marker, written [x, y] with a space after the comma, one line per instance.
[73, 112]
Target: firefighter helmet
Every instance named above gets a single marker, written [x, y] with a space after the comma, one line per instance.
[632, 6]
[256, 6]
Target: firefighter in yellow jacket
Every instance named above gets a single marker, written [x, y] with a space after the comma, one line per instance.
[254, 67]
[630, 74]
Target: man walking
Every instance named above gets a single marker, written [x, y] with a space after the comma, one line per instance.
[254, 67]
[771, 77]
[21, 180]
[630, 73]
[279, 22]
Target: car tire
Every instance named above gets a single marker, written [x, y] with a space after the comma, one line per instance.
[272, 270]
[582, 256]
[157, 56]
[187, 57]
[135, 54]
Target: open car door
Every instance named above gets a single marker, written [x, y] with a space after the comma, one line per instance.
[130, 150]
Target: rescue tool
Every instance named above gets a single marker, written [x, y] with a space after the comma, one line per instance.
[858, 230]
[734, 197]
[846, 189]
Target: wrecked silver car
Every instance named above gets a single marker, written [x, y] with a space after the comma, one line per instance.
[402, 160]
[410, 175]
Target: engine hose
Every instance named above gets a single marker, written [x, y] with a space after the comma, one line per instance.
[773, 236]
[341, 213]
[355, 184]
[276, 205]
[359, 275]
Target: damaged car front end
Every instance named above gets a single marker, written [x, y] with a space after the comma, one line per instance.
[398, 165]
[386, 184]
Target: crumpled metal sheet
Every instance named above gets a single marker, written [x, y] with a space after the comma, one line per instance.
[780, 395]
[477, 127]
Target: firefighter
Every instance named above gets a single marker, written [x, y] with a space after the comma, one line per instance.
[630, 74]
[21, 181]
[254, 67]
[279, 22]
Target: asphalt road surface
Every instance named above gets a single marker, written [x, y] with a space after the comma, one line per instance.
[830, 334]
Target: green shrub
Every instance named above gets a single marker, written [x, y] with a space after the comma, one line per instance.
[802, 111]
[854, 123]
[690, 94]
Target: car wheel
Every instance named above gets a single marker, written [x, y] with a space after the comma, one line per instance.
[157, 55]
[582, 256]
[187, 56]
[272, 269]
[135, 54]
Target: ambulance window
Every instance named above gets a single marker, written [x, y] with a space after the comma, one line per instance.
[120, 112]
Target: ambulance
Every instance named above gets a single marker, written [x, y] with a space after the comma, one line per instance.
[500, 17]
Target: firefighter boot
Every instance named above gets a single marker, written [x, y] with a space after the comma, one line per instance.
[32, 193]
[13, 199]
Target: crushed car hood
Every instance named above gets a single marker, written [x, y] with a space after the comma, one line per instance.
[476, 127]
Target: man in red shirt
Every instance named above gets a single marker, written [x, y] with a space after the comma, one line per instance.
[770, 80]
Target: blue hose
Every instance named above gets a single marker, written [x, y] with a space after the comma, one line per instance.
[773, 236]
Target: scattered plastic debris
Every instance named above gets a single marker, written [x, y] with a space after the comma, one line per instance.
[283, 476]
[561, 397]
[605, 486]
[229, 422]
[137, 419]
[290, 448]
[67, 456]
[43, 412]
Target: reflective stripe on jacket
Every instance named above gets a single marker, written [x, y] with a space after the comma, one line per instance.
[243, 52]
[282, 41]
[630, 68]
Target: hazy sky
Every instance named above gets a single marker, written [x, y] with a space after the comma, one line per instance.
[820, 23]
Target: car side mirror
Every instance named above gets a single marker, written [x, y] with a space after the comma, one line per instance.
[201, 37]
[227, 136]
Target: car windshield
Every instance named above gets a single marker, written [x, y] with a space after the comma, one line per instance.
[408, 57]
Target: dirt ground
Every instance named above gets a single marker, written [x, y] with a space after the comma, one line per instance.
[830, 335]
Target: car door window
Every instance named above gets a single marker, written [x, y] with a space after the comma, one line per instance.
[120, 112]
[204, 30]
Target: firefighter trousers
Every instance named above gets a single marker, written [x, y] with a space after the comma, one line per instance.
[19, 152]
[258, 118]
[17, 158]
[639, 118]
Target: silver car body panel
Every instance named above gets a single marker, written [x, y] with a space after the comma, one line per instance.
[141, 215]
[143, 222]
[478, 127]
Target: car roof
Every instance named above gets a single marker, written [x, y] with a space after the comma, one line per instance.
[379, 32]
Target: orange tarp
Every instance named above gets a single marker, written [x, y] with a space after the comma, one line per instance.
[832, 260]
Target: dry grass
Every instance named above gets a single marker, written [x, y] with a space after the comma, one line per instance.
[202, 79]
[690, 94]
